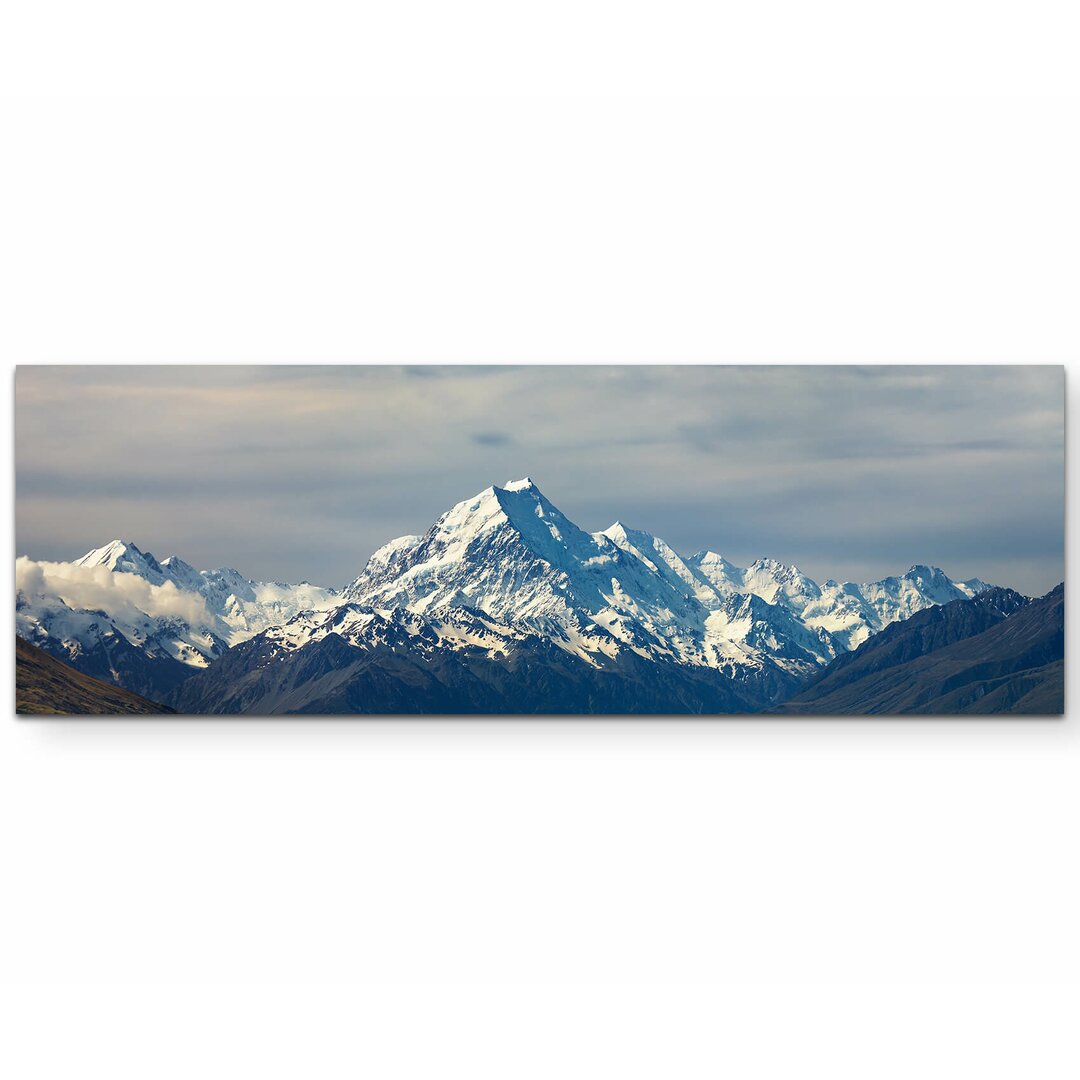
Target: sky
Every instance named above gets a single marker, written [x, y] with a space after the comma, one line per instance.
[300, 473]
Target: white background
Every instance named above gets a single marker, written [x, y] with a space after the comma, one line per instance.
[565, 182]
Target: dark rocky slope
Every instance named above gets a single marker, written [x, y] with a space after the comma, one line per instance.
[45, 686]
[334, 676]
[997, 653]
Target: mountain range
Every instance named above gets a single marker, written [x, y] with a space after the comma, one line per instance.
[503, 605]
[999, 652]
[120, 615]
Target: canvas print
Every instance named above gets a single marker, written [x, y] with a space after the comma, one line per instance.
[555, 540]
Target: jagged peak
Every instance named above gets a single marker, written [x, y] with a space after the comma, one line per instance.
[645, 543]
[113, 552]
[922, 569]
[174, 562]
[706, 555]
[777, 569]
[1000, 599]
[224, 571]
[617, 531]
[767, 563]
[113, 547]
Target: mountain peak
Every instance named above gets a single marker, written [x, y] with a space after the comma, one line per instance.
[638, 542]
[174, 562]
[922, 572]
[776, 568]
[122, 556]
[524, 484]
[642, 545]
[117, 547]
[110, 554]
[769, 563]
[707, 556]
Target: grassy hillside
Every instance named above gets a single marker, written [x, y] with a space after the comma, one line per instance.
[44, 686]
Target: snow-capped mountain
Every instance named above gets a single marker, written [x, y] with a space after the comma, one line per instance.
[502, 583]
[510, 553]
[120, 614]
[243, 607]
[504, 577]
[850, 613]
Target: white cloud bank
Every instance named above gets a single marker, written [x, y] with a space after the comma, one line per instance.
[94, 588]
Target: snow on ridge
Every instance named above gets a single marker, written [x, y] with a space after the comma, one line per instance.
[502, 564]
[108, 553]
[510, 553]
[166, 608]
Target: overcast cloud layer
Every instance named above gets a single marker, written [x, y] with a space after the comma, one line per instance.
[291, 473]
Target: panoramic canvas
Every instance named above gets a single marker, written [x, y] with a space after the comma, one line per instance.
[572, 540]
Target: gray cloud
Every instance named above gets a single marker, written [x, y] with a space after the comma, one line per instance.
[301, 472]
